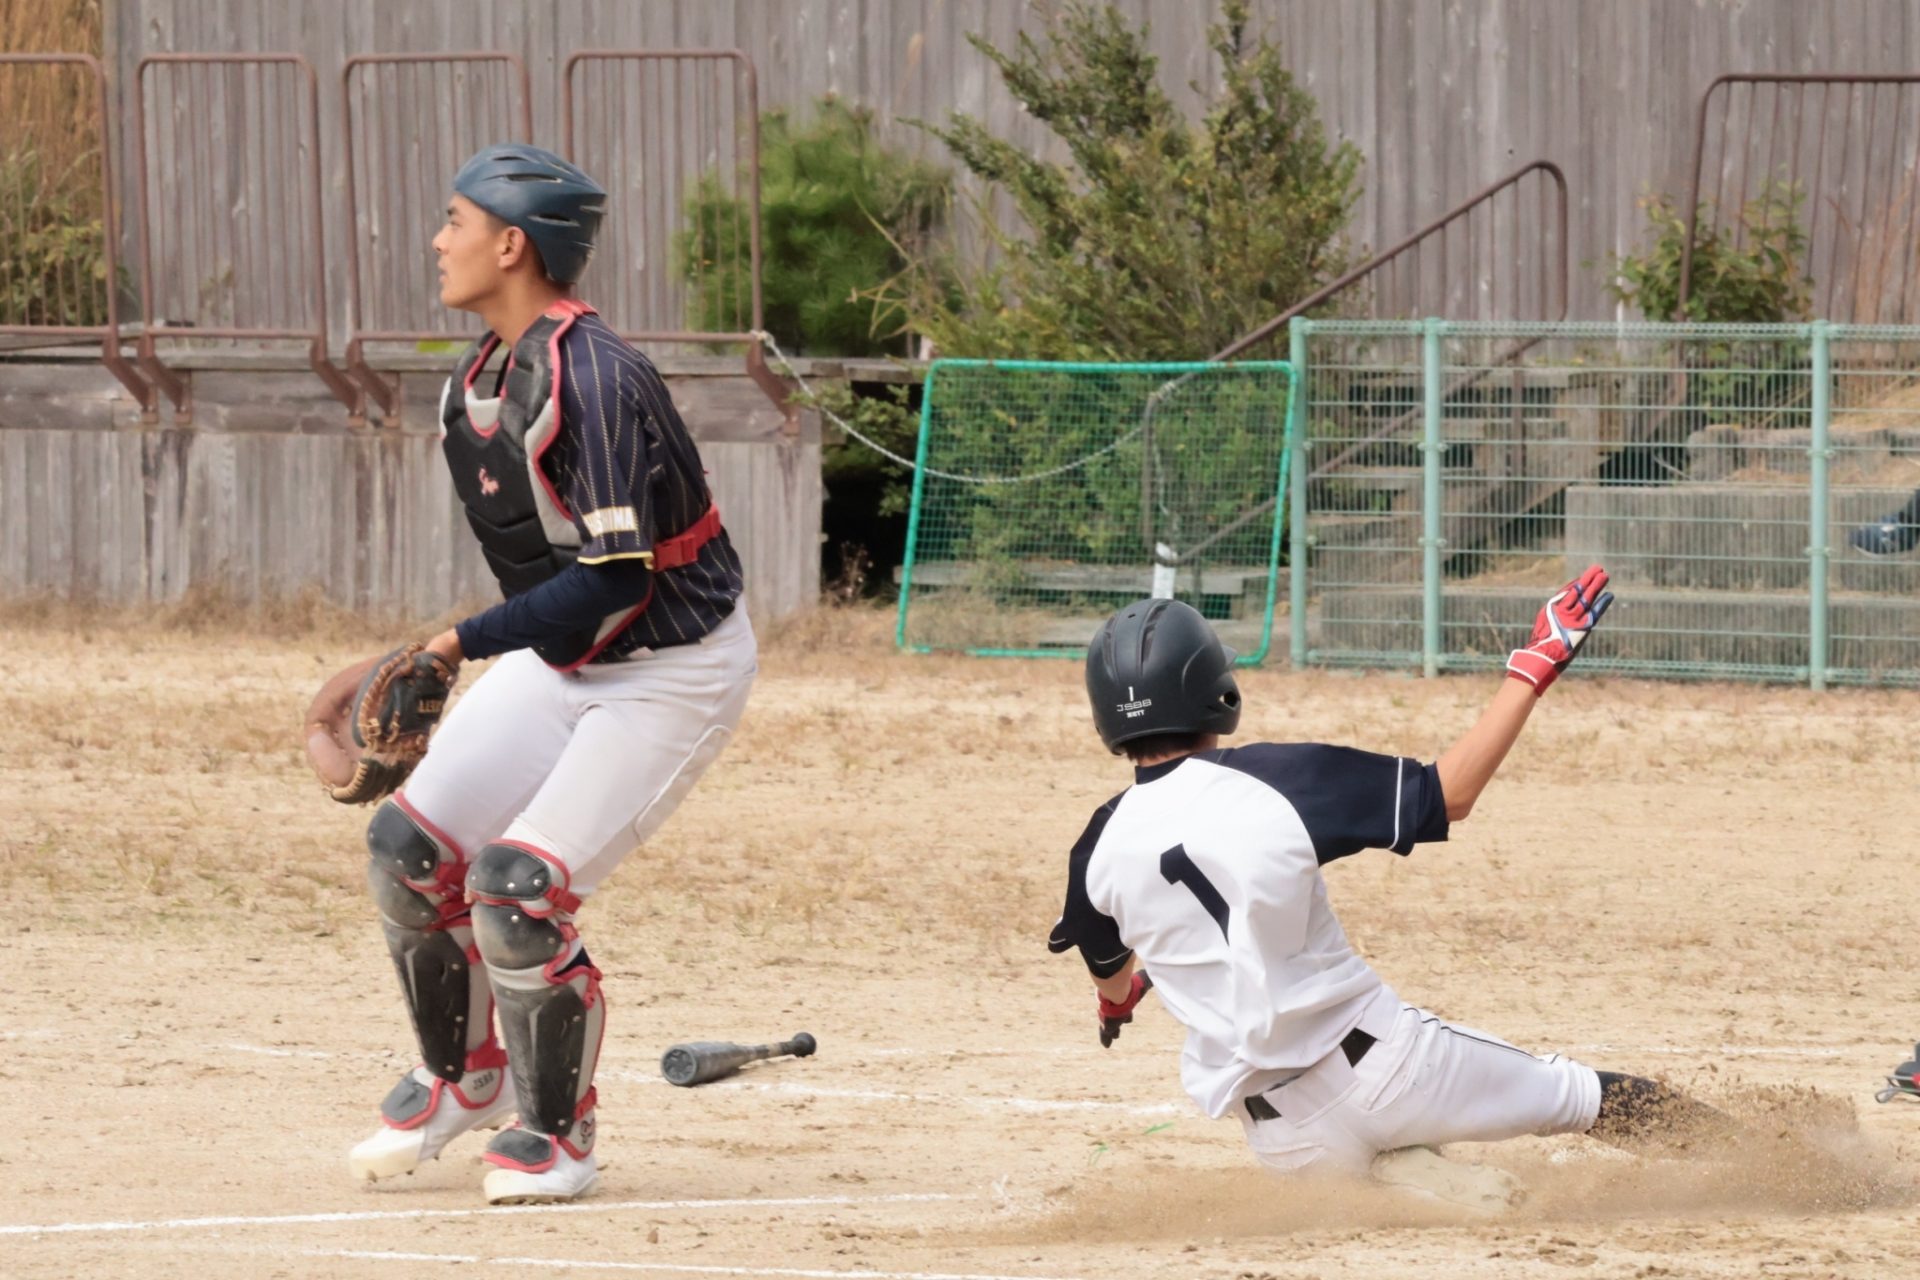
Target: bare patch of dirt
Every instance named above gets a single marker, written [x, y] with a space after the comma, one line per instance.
[1698, 882]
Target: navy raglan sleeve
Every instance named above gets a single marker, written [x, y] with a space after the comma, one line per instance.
[606, 407]
[1081, 924]
[1350, 800]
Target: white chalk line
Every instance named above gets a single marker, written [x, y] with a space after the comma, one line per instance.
[1724, 1050]
[1051, 1053]
[1020, 1103]
[794, 1088]
[266, 1051]
[495, 1211]
[653, 1268]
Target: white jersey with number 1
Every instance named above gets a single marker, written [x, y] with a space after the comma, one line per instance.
[1209, 868]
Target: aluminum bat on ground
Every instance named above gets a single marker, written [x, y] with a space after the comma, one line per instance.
[691, 1064]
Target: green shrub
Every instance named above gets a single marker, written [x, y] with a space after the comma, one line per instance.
[1749, 273]
[836, 210]
[53, 266]
[1159, 238]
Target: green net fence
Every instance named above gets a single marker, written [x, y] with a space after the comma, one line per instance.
[1754, 491]
[1046, 495]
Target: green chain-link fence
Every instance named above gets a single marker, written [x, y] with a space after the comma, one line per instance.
[1047, 494]
[1752, 490]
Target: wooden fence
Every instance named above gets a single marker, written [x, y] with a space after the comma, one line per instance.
[1442, 96]
[270, 496]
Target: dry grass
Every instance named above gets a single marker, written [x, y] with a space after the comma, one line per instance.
[158, 753]
[51, 112]
[204, 610]
[50, 26]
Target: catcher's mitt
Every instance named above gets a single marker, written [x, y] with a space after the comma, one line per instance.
[368, 726]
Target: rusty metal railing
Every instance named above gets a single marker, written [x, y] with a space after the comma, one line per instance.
[1864, 193]
[409, 120]
[614, 99]
[1550, 269]
[73, 295]
[1553, 281]
[234, 132]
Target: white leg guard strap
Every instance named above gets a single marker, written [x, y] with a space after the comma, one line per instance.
[552, 1014]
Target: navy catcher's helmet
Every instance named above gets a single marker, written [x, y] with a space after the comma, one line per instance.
[1157, 667]
[555, 203]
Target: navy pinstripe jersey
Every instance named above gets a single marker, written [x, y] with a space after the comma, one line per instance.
[632, 476]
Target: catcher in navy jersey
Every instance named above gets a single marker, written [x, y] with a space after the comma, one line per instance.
[1205, 873]
[626, 657]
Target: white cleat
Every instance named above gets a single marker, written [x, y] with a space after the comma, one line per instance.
[424, 1113]
[1425, 1172]
[538, 1168]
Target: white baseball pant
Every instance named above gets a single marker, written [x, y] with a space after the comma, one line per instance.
[1424, 1082]
[585, 765]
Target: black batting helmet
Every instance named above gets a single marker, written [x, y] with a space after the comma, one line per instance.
[1157, 667]
[555, 203]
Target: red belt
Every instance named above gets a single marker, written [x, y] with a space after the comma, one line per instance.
[684, 547]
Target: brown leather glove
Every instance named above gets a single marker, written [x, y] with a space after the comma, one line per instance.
[368, 726]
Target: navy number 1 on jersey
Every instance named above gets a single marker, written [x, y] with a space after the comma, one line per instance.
[1178, 868]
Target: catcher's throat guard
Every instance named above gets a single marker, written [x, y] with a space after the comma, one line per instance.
[494, 449]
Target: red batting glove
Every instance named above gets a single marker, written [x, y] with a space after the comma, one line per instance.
[1560, 630]
[1115, 1016]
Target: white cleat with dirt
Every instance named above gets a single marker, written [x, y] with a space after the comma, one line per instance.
[538, 1168]
[1425, 1172]
[424, 1113]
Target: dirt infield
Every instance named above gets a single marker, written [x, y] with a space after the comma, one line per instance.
[198, 1017]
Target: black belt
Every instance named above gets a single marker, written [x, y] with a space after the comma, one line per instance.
[1354, 1045]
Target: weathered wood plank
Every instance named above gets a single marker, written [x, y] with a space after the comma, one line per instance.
[368, 519]
[1441, 97]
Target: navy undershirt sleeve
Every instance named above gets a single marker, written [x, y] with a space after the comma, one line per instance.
[577, 597]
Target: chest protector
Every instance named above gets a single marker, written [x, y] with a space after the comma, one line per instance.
[494, 448]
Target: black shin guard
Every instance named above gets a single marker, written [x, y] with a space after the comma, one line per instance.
[437, 981]
[414, 881]
[547, 990]
[546, 1030]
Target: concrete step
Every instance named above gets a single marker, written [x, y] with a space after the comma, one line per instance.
[1730, 536]
[1366, 488]
[1071, 577]
[1530, 377]
[1364, 548]
[1717, 628]
[1242, 635]
[1861, 455]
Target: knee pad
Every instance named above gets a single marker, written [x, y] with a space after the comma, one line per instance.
[523, 911]
[409, 870]
[415, 880]
[548, 992]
